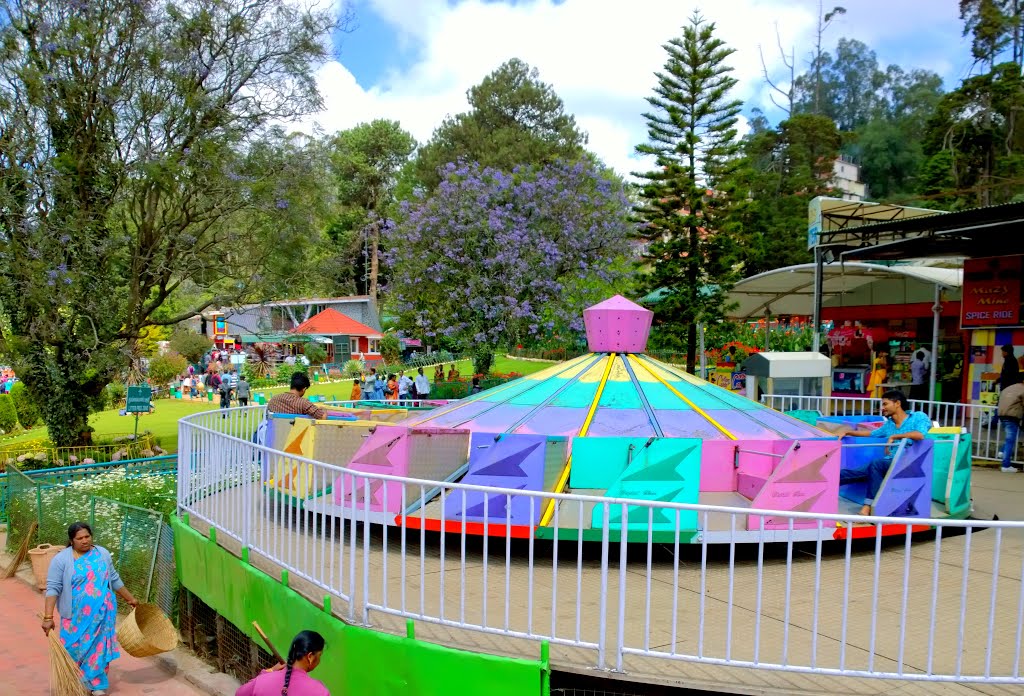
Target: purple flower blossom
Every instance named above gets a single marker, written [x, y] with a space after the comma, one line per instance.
[281, 204]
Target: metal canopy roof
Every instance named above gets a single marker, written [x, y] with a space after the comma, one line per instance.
[790, 290]
[976, 232]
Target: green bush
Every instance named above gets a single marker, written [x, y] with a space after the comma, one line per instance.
[390, 348]
[166, 367]
[114, 395]
[315, 353]
[190, 344]
[285, 372]
[25, 406]
[8, 414]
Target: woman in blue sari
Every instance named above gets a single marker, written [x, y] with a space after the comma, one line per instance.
[81, 584]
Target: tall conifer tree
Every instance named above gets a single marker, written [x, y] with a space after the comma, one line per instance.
[692, 136]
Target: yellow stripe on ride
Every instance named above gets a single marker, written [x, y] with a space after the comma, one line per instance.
[555, 370]
[704, 414]
[563, 478]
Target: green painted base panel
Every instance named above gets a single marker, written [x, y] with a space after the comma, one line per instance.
[357, 660]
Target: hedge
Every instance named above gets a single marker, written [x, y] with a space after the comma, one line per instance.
[8, 415]
[24, 406]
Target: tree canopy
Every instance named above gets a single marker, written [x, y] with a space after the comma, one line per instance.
[366, 161]
[514, 119]
[692, 136]
[135, 161]
[491, 258]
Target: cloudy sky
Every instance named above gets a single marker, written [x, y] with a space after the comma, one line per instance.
[413, 60]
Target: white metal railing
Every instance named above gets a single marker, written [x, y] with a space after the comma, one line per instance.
[888, 610]
[987, 433]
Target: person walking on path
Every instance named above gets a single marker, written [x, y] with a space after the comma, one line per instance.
[242, 391]
[1011, 411]
[369, 384]
[422, 385]
[292, 678]
[225, 395]
[404, 385]
[81, 584]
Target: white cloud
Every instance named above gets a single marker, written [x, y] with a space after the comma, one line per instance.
[600, 56]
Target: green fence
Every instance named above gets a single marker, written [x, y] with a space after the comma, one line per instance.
[139, 540]
[167, 464]
[23, 508]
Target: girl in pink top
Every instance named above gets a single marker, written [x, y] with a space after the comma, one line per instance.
[293, 679]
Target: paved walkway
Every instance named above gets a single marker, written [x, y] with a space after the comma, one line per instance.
[25, 657]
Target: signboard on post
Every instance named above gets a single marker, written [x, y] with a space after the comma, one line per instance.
[139, 399]
[992, 293]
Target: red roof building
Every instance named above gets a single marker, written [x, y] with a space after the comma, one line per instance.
[350, 339]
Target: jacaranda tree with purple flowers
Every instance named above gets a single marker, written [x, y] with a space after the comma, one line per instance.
[492, 258]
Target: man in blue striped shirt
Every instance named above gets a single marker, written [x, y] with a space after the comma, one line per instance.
[899, 425]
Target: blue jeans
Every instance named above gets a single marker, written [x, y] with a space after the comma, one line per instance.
[873, 472]
[1011, 428]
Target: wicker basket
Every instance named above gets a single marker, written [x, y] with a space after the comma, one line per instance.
[41, 557]
[146, 631]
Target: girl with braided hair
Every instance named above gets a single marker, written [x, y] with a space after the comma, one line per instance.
[292, 679]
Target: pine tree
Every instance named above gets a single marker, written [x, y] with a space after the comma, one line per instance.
[692, 136]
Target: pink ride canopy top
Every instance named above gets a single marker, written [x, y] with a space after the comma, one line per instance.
[617, 326]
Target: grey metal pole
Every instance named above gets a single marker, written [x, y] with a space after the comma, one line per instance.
[703, 358]
[936, 318]
[819, 273]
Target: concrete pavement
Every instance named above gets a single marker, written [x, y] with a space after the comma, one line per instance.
[25, 656]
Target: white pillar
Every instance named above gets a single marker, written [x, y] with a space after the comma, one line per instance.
[819, 273]
[936, 318]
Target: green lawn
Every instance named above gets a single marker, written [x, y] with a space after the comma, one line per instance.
[163, 423]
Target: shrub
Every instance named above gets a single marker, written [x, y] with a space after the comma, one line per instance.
[164, 368]
[8, 414]
[354, 367]
[24, 406]
[190, 344]
[315, 353]
[114, 395]
[390, 348]
[285, 371]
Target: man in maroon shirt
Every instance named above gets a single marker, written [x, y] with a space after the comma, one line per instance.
[294, 401]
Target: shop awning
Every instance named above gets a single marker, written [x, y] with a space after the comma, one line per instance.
[977, 232]
[790, 290]
[282, 338]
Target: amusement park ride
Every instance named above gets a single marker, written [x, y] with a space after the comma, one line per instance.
[613, 423]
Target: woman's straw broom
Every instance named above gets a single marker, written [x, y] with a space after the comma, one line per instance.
[65, 675]
[19, 558]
